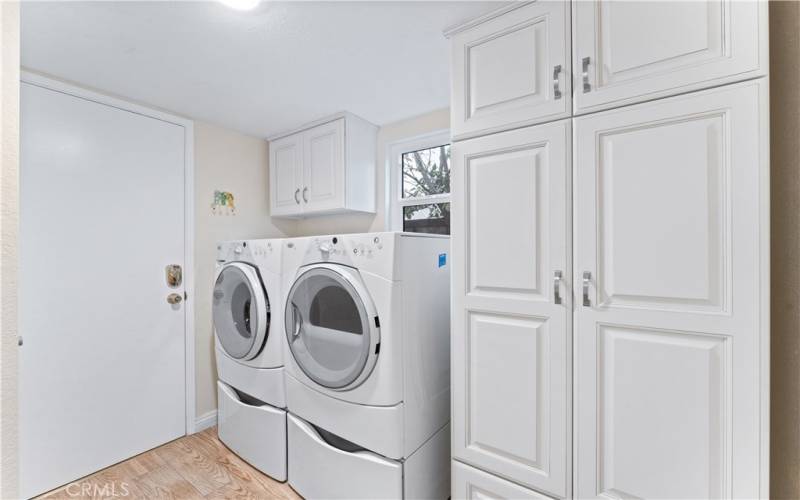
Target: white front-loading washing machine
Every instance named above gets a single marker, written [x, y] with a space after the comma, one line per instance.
[248, 332]
[367, 322]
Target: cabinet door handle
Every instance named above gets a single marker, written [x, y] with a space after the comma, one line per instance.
[305, 194]
[557, 287]
[587, 277]
[296, 194]
[556, 89]
[585, 73]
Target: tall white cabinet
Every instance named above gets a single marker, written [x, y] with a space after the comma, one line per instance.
[611, 259]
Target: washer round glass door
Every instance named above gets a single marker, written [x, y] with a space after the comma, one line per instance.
[240, 309]
[329, 327]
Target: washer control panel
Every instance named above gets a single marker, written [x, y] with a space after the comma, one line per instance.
[346, 249]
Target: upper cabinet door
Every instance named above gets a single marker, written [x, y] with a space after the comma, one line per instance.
[323, 172]
[633, 51]
[511, 70]
[286, 175]
[512, 306]
[671, 325]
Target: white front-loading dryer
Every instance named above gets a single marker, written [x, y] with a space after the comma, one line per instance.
[247, 314]
[367, 334]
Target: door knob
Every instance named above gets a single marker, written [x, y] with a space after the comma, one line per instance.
[174, 298]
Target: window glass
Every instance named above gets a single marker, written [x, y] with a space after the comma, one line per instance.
[426, 172]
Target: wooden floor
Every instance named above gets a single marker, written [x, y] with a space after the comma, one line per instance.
[196, 466]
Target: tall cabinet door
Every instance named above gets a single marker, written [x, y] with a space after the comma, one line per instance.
[286, 175]
[323, 179]
[512, 70]
[511, 318]
[632, 51]
[671, 269]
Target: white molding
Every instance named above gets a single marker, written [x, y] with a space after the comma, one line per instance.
[458, 28]
[316, 123]
[392, 201]
[206, 420]
[188, 126]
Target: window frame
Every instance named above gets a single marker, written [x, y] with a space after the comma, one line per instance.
[395, 203]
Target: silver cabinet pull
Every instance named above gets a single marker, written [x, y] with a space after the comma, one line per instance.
[587, 277]
[557, 287]
[556, 90]
[305, 194]
[585, 73]
[296, 196]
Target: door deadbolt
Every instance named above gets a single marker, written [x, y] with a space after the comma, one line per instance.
[174, 298]
[174, 275]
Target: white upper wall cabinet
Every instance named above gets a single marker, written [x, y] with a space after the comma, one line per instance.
[511, 69]
[324, 168]
[629, 51]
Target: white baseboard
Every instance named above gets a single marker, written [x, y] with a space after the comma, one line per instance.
[205, 421]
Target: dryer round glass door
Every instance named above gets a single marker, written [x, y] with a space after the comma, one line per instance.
[240, 309]
[330, 329]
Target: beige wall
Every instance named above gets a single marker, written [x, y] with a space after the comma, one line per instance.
[226, 161]
[387, 135]
[9, 223]
[785, 170]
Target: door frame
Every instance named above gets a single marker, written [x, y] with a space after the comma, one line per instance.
[75, 90]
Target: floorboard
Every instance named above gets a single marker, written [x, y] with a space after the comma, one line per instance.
[192, 467]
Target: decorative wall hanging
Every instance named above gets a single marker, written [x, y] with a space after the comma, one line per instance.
[223, 204]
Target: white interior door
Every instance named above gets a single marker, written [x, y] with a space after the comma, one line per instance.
[102, 374]
[511, 321]
[631, 51]
[323, 162]
[671, 350]
[286, 169]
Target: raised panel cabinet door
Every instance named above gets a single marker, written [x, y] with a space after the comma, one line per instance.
[511, 346]
[286, 175]
[511, 70]
[470, 483]
[671, 279]
[323, 161]
[630, 51]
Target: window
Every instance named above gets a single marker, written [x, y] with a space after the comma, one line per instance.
[420, 185]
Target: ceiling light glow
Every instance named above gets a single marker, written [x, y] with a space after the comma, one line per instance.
[241, 4]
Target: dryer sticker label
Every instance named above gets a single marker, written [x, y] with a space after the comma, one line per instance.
[442, 259]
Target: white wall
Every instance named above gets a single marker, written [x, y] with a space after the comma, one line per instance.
[227, 161]
[387, 135]
[9, 230]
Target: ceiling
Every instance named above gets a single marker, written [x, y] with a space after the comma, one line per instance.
[261, 71]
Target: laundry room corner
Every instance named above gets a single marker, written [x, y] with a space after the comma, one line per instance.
[231, 202]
